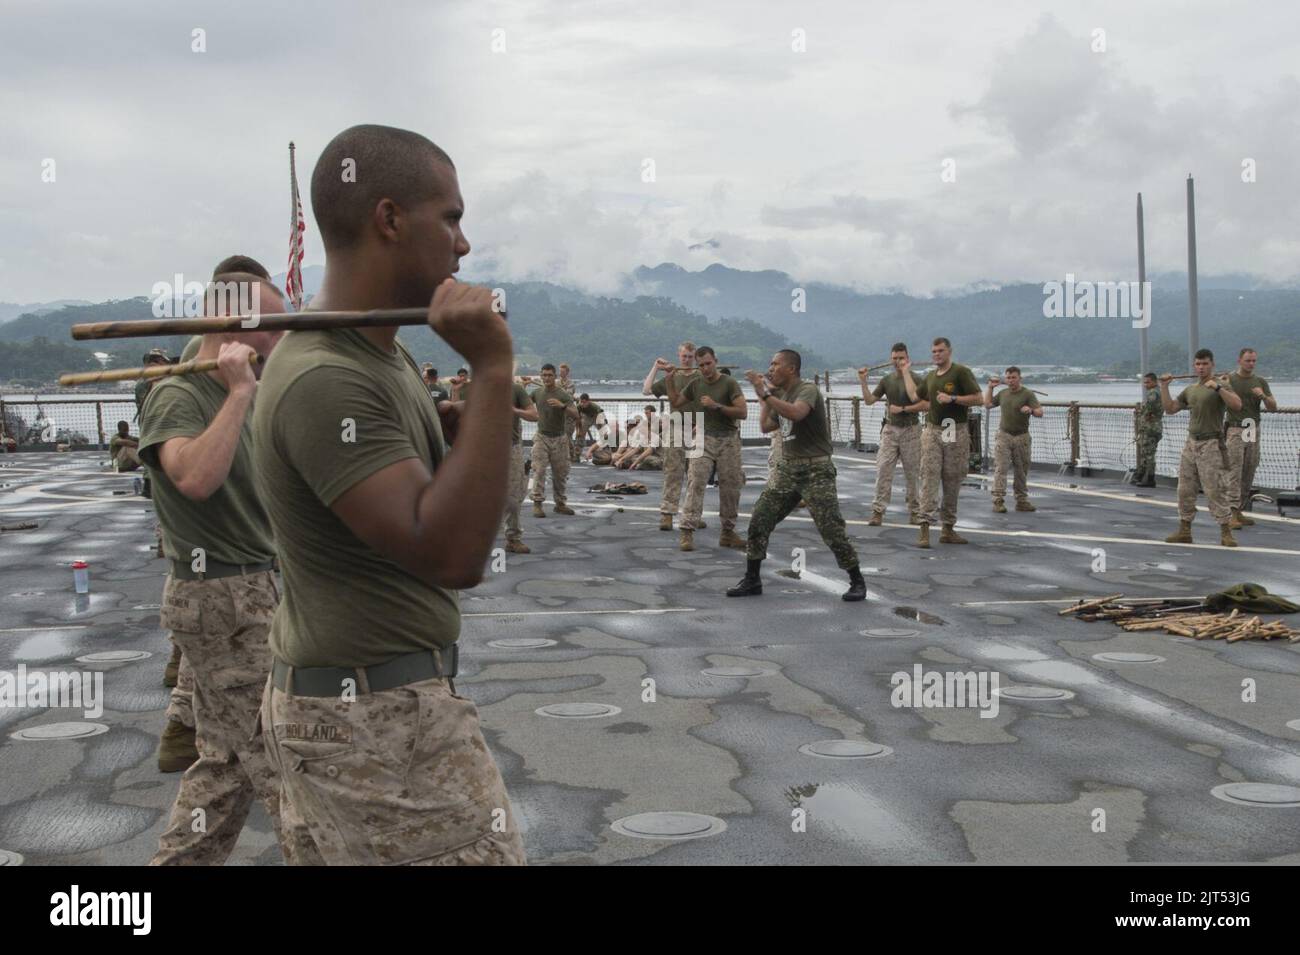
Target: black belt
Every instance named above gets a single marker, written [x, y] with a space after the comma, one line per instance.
[798, 459]
[214, 570]
[399, 671]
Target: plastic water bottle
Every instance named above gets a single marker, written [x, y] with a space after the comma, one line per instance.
[81, 576]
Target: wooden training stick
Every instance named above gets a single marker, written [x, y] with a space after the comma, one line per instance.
[149, 371]
[292, 321]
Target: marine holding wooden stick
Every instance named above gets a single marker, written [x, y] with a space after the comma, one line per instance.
[377, 526]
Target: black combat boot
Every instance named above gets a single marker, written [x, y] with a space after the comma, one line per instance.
[857, 586]
[750, 585]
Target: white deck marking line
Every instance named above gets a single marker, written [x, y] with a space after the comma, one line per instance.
[826, 584]
[552, 613]
[73, 626]
[1072, 536]
[1114, 496]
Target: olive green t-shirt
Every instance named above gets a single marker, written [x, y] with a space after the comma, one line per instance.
[551, 421]
[592, 411]
[520, 399]
[810, 437]
[333, 409]
[1207, 409]
[1014, 421]
[231, 526]
[1250, 404]
[117, 443]
[958, 380]
[724, 390]
[894, 390]
[681, 378]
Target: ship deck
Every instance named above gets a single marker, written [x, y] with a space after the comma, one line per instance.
[615, 604]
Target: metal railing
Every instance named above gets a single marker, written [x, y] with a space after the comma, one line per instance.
[1070, 434]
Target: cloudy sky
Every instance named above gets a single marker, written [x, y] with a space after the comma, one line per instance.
[824, 162]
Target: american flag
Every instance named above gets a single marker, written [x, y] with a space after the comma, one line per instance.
[297, 227]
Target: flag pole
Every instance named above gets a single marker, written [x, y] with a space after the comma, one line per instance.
[297, 228]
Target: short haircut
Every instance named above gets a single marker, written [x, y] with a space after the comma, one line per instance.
[690, 346]
[1242, 353]
[724, 371]
[1013, 368]
[1205, 353]
[705, 350]
[898, 346]
[240, 278]
[547, 367]
[462, 371]
[649, 409]
[792, 357]
[123, 426]
[564, 364]
[241, 263]
[389, 163]
[941, 341]
[1150, 374]
[584, 397]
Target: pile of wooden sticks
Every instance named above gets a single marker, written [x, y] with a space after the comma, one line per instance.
[1183, 616]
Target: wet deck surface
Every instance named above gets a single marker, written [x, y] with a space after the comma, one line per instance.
[1145, 742]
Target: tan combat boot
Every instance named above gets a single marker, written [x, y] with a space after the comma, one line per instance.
[688, 540]
[537, 509]
[1242, 519]
[876, 519]
[1025, 506]
[517, 547]
[1234, 521]
[665, 522]
[1181, 536]
[732, 539]
[564, 509]
[950, 536]
[999, 507]
[1225, 536]
[176, 750]
[923, 537]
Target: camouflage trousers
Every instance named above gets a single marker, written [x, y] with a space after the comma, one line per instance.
[812, 480]
[774, 456]
[725, 452]
[897, 445]
[1011, 452]
[399, 777]
[1200, 467]
[553, 451]
[222, 625]
[515, 489]
[1147, 442]
[1243, 462]
[674, 459]
[180, 705]
[943, 464]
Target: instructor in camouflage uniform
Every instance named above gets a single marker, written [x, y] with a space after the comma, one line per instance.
[220, 593]
[556, 412]
[900, 438]
[949, 390]
[377, 526]
[1148, 429]
[798, 410]
[1204, 461]
[524, 410]
[1013, 452]
[1244, 433]
[724, 408]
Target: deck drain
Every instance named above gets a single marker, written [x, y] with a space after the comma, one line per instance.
[888, 632]
[1128, 658]
[598, 580]
[1258, 794]
[115, 656]
[1034, 693]
[736, 671]
[844, 749]
[577, 711]
[51, 731]
[672, 826]
[522, 643]
[8, 857]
